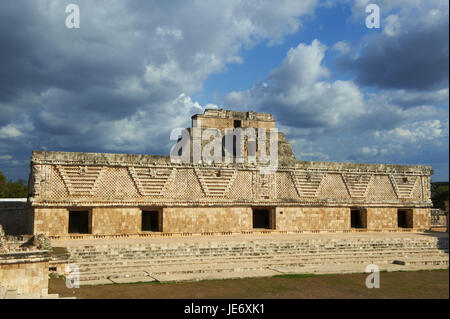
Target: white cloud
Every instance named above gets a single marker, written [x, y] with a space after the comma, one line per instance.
[297, 90]
[138, 132]
[10, 131]
[175, 33]
[415, 132]
[5, 157]
[121, 84]
[342, 47]
[125, 79]
[392, 25]
[339, 121]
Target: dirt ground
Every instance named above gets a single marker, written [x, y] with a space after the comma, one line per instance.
[393, 285]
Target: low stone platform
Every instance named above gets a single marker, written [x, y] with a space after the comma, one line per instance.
[13, 294]
[221, 257]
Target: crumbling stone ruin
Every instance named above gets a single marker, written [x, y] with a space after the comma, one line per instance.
[24, 265]
[91, 194]
[11, 244]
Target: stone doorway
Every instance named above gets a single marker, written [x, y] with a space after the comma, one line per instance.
[263, 218]
[79, 222]
[405, 218]
[358, 218]
[151, 221]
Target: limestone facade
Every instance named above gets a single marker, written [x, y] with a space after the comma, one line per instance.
[26, 272]
[115, 189]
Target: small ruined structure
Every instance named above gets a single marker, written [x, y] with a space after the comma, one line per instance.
[24, 264]
[97, 195]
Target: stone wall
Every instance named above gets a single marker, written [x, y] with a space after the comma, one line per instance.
[438, 217]
[128, 220]
[214, 219]
[15, 217]
[51, 221]
[422, 218]
[381, 218]
[184, 185]
[26, 272]
[116, 220]
[312, 218]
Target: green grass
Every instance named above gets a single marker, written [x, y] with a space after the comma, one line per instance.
[59, 251]
[296, 276]
[399, 284]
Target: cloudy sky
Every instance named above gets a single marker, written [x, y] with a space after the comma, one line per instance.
[135, 70]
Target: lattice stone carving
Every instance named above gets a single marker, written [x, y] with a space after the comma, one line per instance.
[426, 188]
[215, 182]
[307, 183]
[404, 185]
[151, 181]
[265, 186]
[357, 184]
[81, 180]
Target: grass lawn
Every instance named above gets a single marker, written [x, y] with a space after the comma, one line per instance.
[417, 284]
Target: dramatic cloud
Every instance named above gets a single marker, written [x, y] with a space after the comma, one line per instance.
[411, 52]
[338, 120]
[296, 92]
[127, 77]
[123, 80]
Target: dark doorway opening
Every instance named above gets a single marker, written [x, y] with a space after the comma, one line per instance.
[151, 221]
[237, 123]
[79, 222]
[404, 218]
[235, 146]
[261, 218]
[358, 218]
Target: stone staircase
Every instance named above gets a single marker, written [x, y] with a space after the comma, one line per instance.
[226, 258]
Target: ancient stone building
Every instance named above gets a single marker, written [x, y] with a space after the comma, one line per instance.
[125, 194]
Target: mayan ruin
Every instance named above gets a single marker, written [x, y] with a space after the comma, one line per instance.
[224, 159]
[88, 194]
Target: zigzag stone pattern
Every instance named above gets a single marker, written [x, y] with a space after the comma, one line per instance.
[151, 181]
[357, 184]
[404, 185]
[215, 182]
[307, 183]
[81, 180]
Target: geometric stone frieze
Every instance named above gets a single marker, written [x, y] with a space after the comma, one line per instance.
[151, 181]
[357, 184]
[80, 180]
[215, 182]
[307, 183]
[404, 186]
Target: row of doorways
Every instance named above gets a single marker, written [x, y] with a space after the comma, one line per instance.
[152, 220]
[358, 218]
[79, 221]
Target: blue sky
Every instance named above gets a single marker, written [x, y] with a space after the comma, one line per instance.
[135, 70]
[329, 24]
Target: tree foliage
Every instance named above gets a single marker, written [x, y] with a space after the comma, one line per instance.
[439, 194]
[10, 189]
